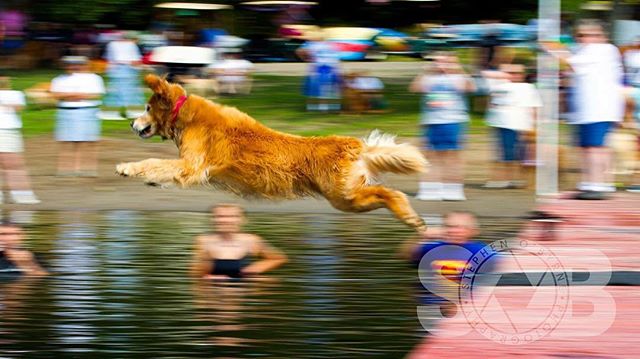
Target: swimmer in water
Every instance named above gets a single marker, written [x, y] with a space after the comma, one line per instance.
[14, 259]
[226, 253]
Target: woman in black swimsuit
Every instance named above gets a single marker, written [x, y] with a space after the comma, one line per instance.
[13, 259]
[227, 252]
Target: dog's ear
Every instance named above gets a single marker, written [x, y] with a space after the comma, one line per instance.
[157, 84]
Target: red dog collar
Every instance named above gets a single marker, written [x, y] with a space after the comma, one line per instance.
[176, 108]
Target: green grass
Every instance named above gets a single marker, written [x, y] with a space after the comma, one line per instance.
[277, 102]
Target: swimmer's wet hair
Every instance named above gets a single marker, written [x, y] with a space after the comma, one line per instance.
[226, 205]
[466, 213]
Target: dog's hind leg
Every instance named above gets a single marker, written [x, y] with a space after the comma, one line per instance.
[157, 171]
[368, 198]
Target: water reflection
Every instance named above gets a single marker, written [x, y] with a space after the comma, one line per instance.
[16, 295]
[76, 293]
[120, 288]
[320, 301]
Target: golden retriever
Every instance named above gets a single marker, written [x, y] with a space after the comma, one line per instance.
[226, 148]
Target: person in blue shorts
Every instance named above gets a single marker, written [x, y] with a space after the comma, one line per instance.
[512, 113]
[599, 104]
[443, 117]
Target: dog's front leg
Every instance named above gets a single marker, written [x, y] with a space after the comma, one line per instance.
[155, 171]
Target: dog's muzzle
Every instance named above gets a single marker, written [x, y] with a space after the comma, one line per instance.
[144, 131]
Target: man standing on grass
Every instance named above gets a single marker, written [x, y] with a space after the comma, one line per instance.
[599, 104]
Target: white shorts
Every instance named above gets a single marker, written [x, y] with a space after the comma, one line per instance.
[11, 140]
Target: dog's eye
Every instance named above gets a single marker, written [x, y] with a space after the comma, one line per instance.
[148, 108]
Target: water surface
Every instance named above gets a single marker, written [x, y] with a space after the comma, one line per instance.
[121, 289]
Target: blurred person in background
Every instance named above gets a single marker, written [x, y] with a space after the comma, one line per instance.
[77, 124]
[124, 90]
[13, 258]
[512, 112]
[226, 253]
[632, 124]
[233, 74]
[362, 92]
[322, 86]
[13, 23]
[597, 78]
[444, 113]
[11, 146]
[631, 59]
[489, 45]
[632, 81]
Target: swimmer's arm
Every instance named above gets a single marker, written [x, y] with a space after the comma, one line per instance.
[201, 263]
[27, 263]
[409, 247]
[272, 258]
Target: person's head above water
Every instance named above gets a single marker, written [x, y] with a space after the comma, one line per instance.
[10, 235]
[227, 217]
[460, 226]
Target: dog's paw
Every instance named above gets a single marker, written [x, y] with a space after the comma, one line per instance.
[125, 170]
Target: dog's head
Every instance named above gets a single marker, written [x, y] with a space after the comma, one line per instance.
[158, 116]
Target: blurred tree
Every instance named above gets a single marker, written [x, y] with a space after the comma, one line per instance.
[124, 13]
[137, 14]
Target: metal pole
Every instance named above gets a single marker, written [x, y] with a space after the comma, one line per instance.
[547, 119]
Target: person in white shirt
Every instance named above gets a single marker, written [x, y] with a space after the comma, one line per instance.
[599, 104]
[77, 124]
[512, 113]
[124, 90]
[11, 146]
[233, 74]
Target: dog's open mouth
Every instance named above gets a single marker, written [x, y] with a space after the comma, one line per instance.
[146, 132]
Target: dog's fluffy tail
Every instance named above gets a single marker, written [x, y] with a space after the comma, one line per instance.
[382, 154]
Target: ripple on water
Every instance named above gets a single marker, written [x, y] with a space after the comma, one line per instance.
[120, 289]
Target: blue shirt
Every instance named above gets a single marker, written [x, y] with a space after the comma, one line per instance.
[445, 259]
[443, 101]
[448, 251]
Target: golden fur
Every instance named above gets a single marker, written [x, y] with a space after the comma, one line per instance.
[228, 149]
